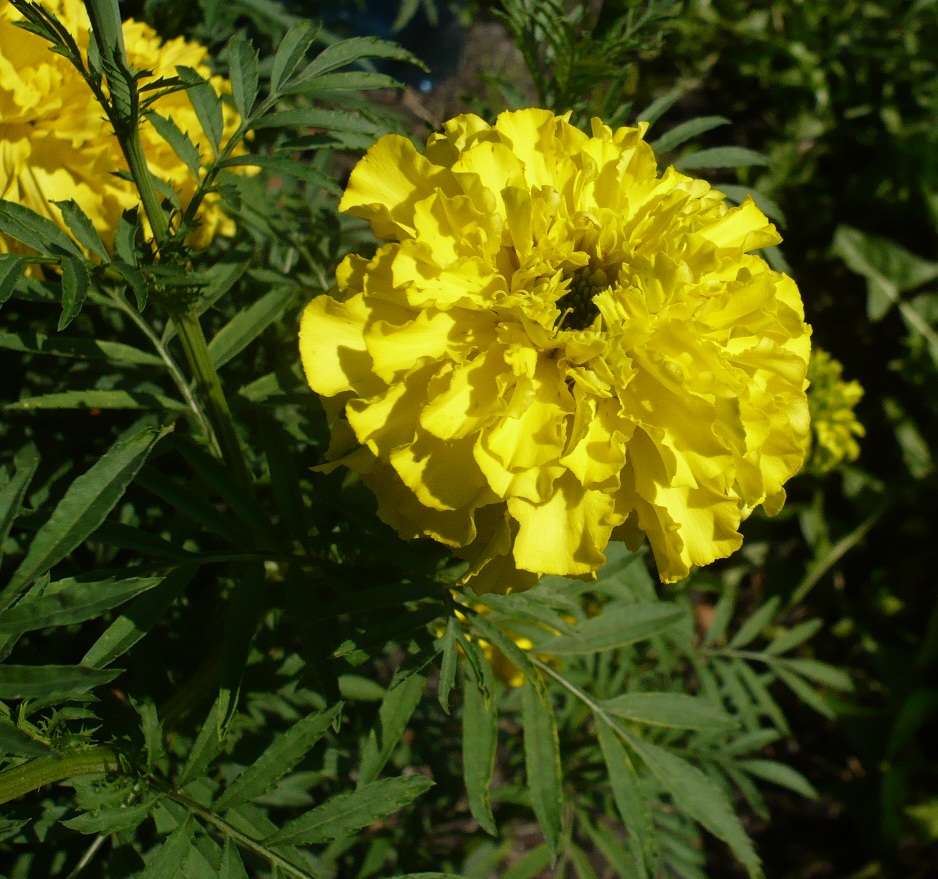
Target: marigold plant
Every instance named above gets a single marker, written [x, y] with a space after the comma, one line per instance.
[56, 144]
[831, 400]
[559, 347]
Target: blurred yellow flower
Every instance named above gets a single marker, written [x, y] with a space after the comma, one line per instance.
[834, 427]
[559, 348]
[55, 143]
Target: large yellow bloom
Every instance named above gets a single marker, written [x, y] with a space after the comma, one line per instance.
[55, 143]
[834, 427]
[557, 348]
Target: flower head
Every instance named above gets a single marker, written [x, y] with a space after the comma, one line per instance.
[559, 347]
[55, 143]
[834, 427]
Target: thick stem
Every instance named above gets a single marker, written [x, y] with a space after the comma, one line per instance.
[28, 777]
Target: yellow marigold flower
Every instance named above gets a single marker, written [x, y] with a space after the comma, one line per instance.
[834, 427]
[559, 347]
[55, 143]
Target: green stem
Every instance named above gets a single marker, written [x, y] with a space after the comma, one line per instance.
[193, 342]
[28, 777]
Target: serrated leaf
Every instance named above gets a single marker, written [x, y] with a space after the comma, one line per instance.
[793, 637]
[77, 347]
[231, 867]
[94, 399]
[396, 710]
[685, 131]
[448, 663]
[152, 731]
[316, 117]
[73, 601]
[701, 799]
[780, 774]
[533, 863]
[13, 493]
[125, 236]
[284, 478]
[11, 270]
[479, 740]
[248, 324]
[346, 81]
[85, 505]
[722, 614]
[285, 165]
[753, 627]
[206, 103]
[542, 762]
[513, 653]
[720, 157]
[75, 281]
[114, 819]
[138, 618]
[741, 670]
[179, 141]
[206, 747]
[348, 51]
[35, 231]
[631, 802]
[618, 626]
[291, 51]
[243, 71]
[657, 108]
[81, 226]
[170, 859]
[804, 691]
[242, 616]
[14, 741]
[351, 811]
[287, 750]
[31, 681]
[820, 672]
[668, 709]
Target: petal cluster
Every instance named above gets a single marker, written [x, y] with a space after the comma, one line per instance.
[558, 347]
[55, 143]
[831, 401]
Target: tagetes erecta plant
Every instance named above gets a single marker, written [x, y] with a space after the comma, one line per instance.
[559, 347]
[831, 401]
[55, 142]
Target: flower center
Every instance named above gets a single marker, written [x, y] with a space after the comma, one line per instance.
[577, 309]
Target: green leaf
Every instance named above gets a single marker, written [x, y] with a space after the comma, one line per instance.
[820, 672]
[794, 636]
[631, 802]
[396, 710]
[286, 751]
[32, 681]
[753, 627]
[351, 811]
[618, 626]
[232, 867]
[720, 157]
[744, 672]
[291, 51]
[75, 282]
[180, 142]
[668, 709]
[315, 117]
[243, 73]
[206, 747]
[287, 166]
[85, 505]
[206, 103]
[78, 347]
[722, 614]
[448, 663]
[245, 607]
[479, 740]
[285, 478]
[542, 762]
[170, 859]
[73, 601]
[94, 399]
[347, 81]
[16, 742]
[780, 774]
[138, 618]
[804, 691]
[35, 231]
[13, 493]
[534, 863]
[81, 226]
[248, 324]
[699, 798]
[674, 137]
[112, 819]
[11, 270]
